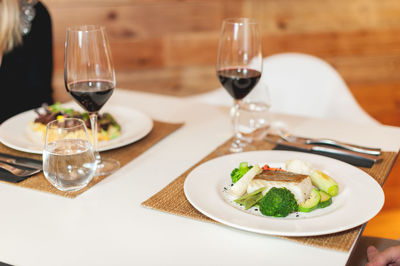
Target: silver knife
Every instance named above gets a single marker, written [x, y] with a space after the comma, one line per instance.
[21, 161]
[332, 150]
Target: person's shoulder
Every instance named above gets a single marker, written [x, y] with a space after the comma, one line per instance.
[42, 20]
[41, 27]
[41, 10]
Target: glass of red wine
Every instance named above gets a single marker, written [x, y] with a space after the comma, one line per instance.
[90, 78]
[239, 65]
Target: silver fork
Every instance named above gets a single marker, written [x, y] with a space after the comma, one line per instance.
[18, 171]
[291, 138]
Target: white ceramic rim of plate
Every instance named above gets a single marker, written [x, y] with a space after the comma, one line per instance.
[12, 131]
[360, 197]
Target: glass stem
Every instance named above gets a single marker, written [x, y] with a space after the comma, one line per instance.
[93, 124]
[236, 144]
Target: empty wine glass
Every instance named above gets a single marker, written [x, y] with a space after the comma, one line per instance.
[239, 65]
[69, 162]
[90, 78]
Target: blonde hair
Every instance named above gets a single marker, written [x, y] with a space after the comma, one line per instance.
[10, 34]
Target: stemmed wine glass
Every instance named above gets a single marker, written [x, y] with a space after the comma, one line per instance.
[90, 78]
[239, 65]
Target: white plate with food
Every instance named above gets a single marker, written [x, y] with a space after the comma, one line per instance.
[357, 196]
[17, 132]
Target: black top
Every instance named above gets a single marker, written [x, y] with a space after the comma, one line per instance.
[26, 72]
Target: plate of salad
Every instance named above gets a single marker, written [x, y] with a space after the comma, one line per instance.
[284, 193]
[118, 126]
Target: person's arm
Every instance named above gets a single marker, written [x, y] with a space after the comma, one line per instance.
[389, 256]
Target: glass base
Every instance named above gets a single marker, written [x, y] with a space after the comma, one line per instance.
[68, 188]
[106, 166]
[235, 148]
[237, 145]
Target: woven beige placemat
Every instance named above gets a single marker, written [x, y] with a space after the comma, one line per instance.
[172, 199]
[123, 155]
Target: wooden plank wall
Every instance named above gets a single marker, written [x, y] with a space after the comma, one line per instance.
[169, 47]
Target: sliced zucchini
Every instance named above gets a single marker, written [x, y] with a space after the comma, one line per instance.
[311, 203]
[325, 201]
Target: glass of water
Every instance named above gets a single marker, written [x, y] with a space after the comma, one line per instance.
[254, 119]
[69, 162]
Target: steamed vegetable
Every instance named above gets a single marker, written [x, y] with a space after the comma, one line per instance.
[237, 173]
[324, 182]
[251, 199]
[278, 202]
[311, 203]
[325, 201]
[268, 168]
[298, 166]
[240, 187]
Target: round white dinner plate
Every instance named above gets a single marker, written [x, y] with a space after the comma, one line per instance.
[359, 199]
[15, 132]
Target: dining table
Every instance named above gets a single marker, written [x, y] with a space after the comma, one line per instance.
[108, 224]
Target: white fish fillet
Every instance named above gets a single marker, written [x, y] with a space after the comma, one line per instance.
[300, 189]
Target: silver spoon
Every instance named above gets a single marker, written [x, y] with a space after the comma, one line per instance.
[18, 171]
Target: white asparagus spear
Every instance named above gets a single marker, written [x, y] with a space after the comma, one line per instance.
[240, 187]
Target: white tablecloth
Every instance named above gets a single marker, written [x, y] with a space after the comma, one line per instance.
[107, 225]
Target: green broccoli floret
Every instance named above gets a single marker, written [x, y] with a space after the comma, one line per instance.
[278, 202]
[237, 173]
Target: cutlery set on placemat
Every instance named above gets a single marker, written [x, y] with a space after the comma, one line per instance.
[352, 154]
[16, 169]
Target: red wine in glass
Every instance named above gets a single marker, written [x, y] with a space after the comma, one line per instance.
[238, 81]
[91, 95]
